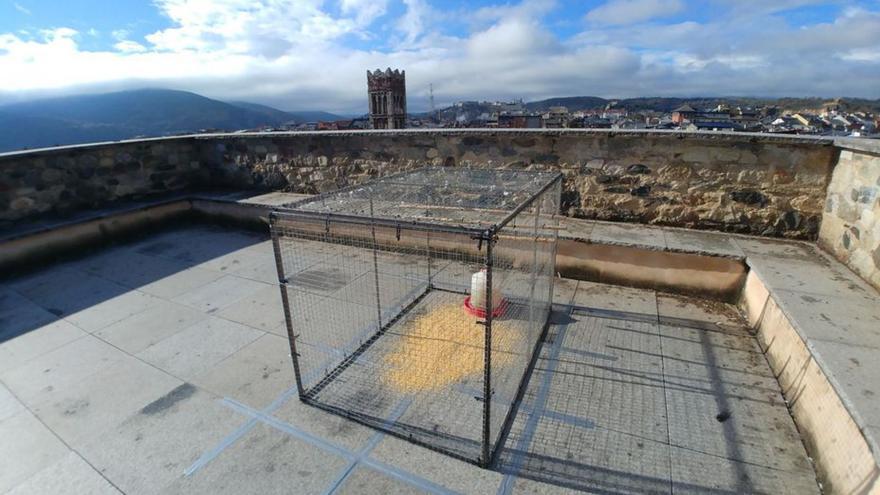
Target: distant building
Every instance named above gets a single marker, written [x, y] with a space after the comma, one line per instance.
[387, 91]
[683, 113]
[712, 125]
[519, 121]
[556, 117]
[590, 122]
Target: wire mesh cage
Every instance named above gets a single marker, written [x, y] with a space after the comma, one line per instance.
[415, 303]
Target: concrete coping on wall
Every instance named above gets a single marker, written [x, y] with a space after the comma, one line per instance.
[871, 146]
[678, 134]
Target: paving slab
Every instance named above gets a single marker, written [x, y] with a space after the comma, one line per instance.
[130, 268]
[142, 330]
[628, 235]
[330, 427]
[526, 486]
[780, 249]
[255, 375]
[199, 347]
[65, 291]
[702, 242]
[693, 312]
[182, 282]
[264, 461]
[598, 460]
[274, 198]
[84, 410]
[832, 318]
[723, 400]
[609, 373]
[265, 271]
[616, 302]
[257, 254]
[810, 277]
[855, 372]
[217, 295]
[458, 476]
[27, 447]
[19, 315]
[261, 310]
[36, 342]
[156, 445]
[70, 475]
[111, 310]
[706, 353]
[697, 473]
[366, 480]
[9, 404]
[198, 245]
[575, 228]
[61, 368]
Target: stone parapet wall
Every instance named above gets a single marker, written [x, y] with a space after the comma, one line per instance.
[60, 182]
[851, 222]
[746, 183]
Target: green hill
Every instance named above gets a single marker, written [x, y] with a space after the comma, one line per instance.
[129, 114]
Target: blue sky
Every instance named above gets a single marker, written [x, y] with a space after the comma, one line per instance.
[314, 54]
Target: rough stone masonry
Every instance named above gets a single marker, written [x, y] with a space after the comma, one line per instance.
[752, 184]
[755, 184]
[851, 221]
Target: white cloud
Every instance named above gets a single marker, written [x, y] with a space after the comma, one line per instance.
[412, 22]
[120, 34]
[128, 46]
[21, 8]
[299, 55]
[364, 11]
[621, 12]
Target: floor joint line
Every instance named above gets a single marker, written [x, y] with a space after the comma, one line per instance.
[540, 402]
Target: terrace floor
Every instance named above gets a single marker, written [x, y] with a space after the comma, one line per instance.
[162, 366]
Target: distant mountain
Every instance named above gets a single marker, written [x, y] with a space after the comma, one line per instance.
[298, 116]
[129, 114]
[573, 103]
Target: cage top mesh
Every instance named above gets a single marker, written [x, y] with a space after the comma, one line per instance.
[465, 197]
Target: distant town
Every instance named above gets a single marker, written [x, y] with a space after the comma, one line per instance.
[830, 120]
[387, 102]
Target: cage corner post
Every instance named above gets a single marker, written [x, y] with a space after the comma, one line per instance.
[488, 237]
[285, 301]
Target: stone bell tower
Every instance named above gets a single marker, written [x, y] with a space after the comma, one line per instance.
[387, 91]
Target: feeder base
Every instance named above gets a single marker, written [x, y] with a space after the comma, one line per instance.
[480, 312]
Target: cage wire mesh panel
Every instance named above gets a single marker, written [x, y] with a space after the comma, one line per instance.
[378, 287]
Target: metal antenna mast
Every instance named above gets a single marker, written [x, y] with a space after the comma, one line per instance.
[433, 108]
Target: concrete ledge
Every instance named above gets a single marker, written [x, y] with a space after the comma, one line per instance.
[45, 242]
[859, 144]
[834, 428]
[45, 245]
[686, 273]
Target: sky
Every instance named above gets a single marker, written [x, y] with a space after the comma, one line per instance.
[314, 54]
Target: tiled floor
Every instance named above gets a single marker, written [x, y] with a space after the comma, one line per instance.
[162, 366]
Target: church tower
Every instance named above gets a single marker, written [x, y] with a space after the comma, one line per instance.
[387, 91]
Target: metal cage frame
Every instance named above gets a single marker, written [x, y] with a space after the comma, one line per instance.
[486, 239]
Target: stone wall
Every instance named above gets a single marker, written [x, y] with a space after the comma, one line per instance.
[851, 222]
[60, 182]
[754, 184]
